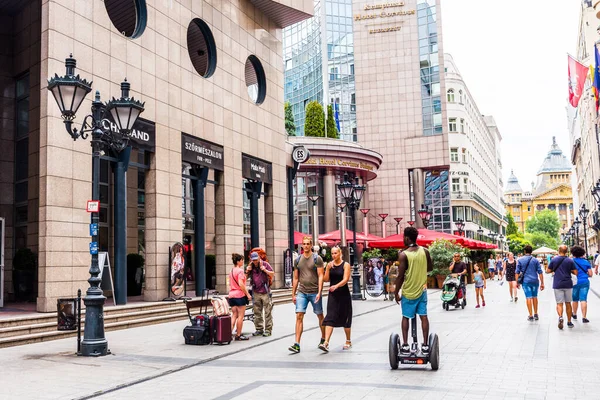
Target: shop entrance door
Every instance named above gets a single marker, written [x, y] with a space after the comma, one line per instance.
[1, 262]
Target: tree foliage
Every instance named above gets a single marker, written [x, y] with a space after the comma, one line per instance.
[314, 125]
[442, 252]
[512, 228]
[332, 131]
[290, 124]
[517, 243]
[545, 221]
[539, 239]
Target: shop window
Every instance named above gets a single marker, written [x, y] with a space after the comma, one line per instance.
[201, 48]
[256, 82]
[127, 16]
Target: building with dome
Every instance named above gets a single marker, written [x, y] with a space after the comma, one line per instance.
[551, 191]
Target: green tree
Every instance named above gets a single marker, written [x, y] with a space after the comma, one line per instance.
[442, 252]
[314, 124]
[539, 239]
[517, 243]
[544, 221]
[512, 228]
[332, 131]
[290, 124]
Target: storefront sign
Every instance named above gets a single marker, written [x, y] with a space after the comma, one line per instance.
[459, 173]
[200, 152]
[340, 162]
[258, 170]
[142, 136]
[287, 268]
[384, 11]
[300, 154]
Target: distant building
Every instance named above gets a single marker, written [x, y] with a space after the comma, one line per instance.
[552, 191]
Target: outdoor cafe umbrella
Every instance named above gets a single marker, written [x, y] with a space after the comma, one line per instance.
[544, 250]
[425, 238]
[335, 236]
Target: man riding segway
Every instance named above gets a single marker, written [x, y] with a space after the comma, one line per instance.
[415, 261]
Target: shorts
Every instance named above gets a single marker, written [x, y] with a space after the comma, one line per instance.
[302, 300]
[237, 302]
[386, 279]
[530, 289]
[479, 286]
[410, 308]
[563, 295]
[580, 291]
[500, 269]
[492, 270]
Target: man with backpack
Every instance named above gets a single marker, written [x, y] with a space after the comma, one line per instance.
[563, 267]
[529, 275]
[308, 282]
[261, 275]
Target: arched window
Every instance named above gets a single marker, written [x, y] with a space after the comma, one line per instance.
[460, 96]
[450, 95]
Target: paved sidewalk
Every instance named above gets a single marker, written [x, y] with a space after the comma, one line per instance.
[486, 353]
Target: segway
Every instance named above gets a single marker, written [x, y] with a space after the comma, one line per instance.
[415, 356]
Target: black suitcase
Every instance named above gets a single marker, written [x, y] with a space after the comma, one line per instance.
[197, 335]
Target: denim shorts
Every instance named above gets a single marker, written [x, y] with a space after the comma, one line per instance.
[530, 289]
[302, 300]
[580, 291]
[410, 308]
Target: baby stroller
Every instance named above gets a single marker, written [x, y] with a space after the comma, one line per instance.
[453, 293]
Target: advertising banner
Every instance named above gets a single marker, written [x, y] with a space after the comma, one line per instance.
[177, 285]
[373, 272]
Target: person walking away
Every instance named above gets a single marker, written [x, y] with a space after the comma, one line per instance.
[386, 278]
[339, 302]
[415, 261]
[562, 267]
[260, 273]
[596, 263]
[492, 267]
[580, 290]
[307, 283]
[459, 268]
[510, 266]
[499, 269]
[530, 268]
[238, 295]
[480, 284]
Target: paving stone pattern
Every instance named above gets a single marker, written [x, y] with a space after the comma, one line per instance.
[486, 353]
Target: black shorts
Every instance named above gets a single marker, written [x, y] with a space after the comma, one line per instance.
[239, 302]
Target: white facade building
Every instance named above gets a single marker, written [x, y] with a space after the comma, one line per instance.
[581, 125]
[475, 161]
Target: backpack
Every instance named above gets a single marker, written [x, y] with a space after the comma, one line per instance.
[315, 258]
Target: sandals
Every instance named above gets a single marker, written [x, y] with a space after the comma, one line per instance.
[324, 347]
[241, 337]
[347, 345]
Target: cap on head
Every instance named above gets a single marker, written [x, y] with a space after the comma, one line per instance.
[254, 256]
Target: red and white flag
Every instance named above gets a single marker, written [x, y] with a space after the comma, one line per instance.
[577, 75]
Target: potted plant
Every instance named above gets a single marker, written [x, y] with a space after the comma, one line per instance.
[435, 277]
[442, 253]
[24, 266]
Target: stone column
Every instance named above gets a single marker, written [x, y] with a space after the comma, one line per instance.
[419, 194]
[329, 200]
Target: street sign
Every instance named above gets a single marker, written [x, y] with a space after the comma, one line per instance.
[93, 229]
[93, 206]
[94, 248]
[300, 154]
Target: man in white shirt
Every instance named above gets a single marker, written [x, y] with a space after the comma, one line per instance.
[596, 263]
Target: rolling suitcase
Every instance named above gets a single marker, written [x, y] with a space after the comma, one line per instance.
[197, 335]
[221, 329]
[199, 332]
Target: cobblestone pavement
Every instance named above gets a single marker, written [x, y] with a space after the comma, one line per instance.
[486, 353]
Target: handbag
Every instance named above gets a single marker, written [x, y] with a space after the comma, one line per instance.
[220, 306]
[522, 276]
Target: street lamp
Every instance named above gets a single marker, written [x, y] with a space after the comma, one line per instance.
[398, 220]
[352, 195]
[460, 225]
[411, 223]
[425, 215]
[365, 213]
[583, 213]
[596, 193]
[501, 237]
[343, 242]
[571, 233]
[480, 232]
[383, 217]
[576, 225]
[69, 91]
[315, 216]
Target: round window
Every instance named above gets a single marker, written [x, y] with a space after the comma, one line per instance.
[128, 16]
[255, 80]
[202, 48]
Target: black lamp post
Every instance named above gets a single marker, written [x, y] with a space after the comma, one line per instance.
[352, 195]
[69, 91]
[576, 226]
[425, 215]
[314, 198]
[583, 213]
[480, 232]
[501, 237]
[460, 225]
[398, 220]
[572, 235]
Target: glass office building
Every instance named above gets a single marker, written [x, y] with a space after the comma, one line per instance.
[325, 73]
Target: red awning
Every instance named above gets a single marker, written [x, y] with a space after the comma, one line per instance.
[425, 238]
[299, 236]
[335, 236]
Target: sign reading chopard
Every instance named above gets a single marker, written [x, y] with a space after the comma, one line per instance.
[259, 170]
[142, 136]
[388, 10]
[197, 151]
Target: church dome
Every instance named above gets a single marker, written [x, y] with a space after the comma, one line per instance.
[513, 184]
[555, 161]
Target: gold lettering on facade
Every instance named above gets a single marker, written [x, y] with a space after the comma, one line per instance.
[383, 5]
[332, 162]
[383, 30]
[383, 14]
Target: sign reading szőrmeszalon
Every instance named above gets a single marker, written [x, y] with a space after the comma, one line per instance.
[387, 10]
[200, 152]
[255, 169]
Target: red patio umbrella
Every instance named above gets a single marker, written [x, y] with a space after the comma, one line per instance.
[335, 236]
[299, 236]
[425, 238]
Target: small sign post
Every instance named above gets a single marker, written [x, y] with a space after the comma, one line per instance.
[93, 206]
[94, 248]
[94, 229]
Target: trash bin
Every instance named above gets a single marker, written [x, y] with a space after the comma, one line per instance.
[67, 314]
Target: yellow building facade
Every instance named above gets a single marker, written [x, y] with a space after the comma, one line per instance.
[552, 191]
